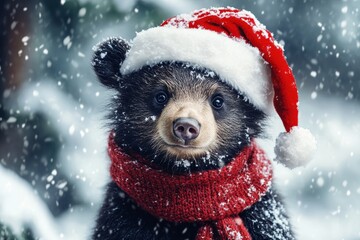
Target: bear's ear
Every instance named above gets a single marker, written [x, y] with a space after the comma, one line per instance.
[108, 58]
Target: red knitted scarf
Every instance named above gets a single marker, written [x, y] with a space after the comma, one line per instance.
[213, 197]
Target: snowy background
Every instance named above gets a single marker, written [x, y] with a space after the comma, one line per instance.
[53, 163]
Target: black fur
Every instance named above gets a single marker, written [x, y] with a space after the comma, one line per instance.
[238, 121]
[108, 57]
[121, 218]
[133, 118]
[135, 104]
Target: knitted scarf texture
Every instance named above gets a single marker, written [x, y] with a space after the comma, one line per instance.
[214, 197]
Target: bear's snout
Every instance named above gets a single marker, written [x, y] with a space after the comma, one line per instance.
[186, 129]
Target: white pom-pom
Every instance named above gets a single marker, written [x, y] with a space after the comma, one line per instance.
[295, 148]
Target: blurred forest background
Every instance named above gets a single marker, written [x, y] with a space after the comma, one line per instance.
[53, 161]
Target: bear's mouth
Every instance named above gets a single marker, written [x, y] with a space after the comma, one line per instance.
[186, 146]
[185, 150]
[171, 142]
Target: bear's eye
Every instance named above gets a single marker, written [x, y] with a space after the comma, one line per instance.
[217, 102]
[161, 97]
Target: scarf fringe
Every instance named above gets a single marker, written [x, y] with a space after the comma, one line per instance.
[205, 233]
[231, 228]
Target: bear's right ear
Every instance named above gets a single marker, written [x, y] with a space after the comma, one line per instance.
[108, 58]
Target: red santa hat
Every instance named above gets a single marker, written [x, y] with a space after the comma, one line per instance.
[244, 54]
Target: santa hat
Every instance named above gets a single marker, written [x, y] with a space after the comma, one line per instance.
[239, 49]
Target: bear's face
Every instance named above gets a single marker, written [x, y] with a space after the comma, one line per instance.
[181, 119]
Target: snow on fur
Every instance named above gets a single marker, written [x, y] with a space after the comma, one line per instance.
[236, 62]
[295, 148]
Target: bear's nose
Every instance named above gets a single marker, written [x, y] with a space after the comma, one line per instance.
[186, 129]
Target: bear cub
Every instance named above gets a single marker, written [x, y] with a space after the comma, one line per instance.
[182, 119]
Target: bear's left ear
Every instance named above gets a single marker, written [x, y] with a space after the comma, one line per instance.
[108, 58]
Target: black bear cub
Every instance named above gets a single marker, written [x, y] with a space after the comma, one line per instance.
[182, 120]
[191, 98]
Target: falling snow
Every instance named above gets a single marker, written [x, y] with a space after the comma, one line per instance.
[53, 162]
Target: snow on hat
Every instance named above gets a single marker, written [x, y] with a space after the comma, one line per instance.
[244, 54]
